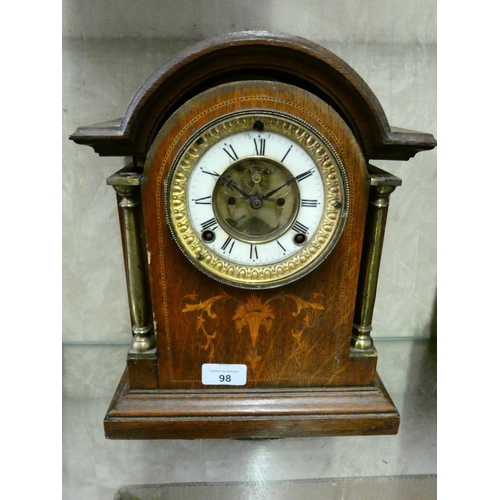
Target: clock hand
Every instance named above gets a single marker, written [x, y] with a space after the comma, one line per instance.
[297, 178]
[255, 200]
[232, 184]
[229, 183]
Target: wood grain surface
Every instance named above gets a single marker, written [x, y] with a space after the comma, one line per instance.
[250, 414]
[304, 328]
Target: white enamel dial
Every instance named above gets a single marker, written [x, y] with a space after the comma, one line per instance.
[256, 201]
[251, 208]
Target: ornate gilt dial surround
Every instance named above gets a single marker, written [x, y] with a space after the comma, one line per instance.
[307, 256]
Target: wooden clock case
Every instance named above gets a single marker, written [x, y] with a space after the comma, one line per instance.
[307, 345]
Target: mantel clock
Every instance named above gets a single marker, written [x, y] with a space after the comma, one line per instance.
[252, 226]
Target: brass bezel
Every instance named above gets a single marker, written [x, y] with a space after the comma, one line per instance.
[318, 246]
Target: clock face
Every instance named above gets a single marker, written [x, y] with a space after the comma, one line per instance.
[256, 199]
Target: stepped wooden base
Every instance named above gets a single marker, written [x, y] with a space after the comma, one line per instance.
[264, 413]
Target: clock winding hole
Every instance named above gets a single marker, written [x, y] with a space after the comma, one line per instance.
[208, 235]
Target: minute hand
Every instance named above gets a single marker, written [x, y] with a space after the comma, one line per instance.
[229, 182]
[297, 178]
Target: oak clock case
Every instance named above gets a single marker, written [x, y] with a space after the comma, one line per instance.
[239, 194]
[252, 226]
[262, 191]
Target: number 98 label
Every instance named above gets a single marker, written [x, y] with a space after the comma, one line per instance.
[216, 374]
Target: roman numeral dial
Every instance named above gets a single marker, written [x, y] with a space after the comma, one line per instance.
[255, 200]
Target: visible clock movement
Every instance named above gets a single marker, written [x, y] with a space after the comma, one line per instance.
[252, 227]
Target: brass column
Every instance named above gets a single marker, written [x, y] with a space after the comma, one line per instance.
[382, 185]
[126, 183]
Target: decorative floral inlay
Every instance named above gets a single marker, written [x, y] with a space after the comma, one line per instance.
[254, 316]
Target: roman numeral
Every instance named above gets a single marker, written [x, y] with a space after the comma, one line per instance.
[215, 174]
[300, 228]
[210, 224]
[253, 252]
[226, 244]
[203, 201]
[286, 154]
[281, 246]
[303, 175]
[260, 148]
[233, 156]
[309, 203]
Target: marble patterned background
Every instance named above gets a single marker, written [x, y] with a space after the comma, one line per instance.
[110, 48]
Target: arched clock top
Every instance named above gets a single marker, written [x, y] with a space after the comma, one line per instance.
[253, 55]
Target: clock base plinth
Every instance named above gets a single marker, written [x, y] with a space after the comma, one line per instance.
[250, 414]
